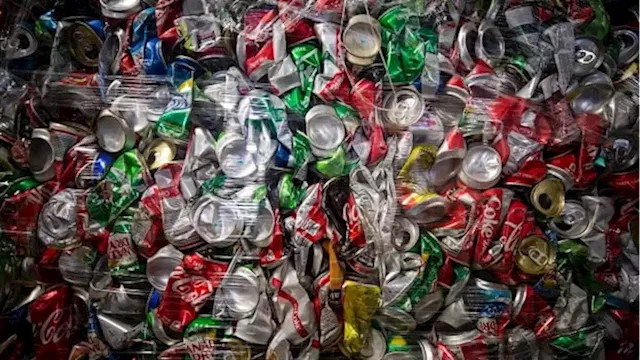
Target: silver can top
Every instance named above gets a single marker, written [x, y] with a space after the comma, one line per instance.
[113, 132]
[589, 54]
[324, 129]
[361, 36]
[403, 107]
[216, 220]
[481, 167]
[574, 221]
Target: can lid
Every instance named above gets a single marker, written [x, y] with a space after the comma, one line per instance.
[235, 159]
[589, 54]
[160, 266]
[41, 155]
[324, 128]
[561, 174]
[592, 93]
[481, 167]
[445, 168]
[535, 255]
[22, 43]
[547, 197]
[467, 38]
[628, 36]
[240, 292]
[490, 45]
[361, 36]
[403, 107]
[621, 151]
[159, 152]
[405, 234]
[215, 220]
[84, 43]
[573, 222]
[113, 132]
[375, 346]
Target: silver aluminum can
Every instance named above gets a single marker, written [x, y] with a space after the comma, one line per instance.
[592, 94]
[324, 129]
[428, 306]
[481, 167]
[259, 328]
[403, 108]
[621, 150]
[240, 293]
[161, 264]
[22, 43]
[467, 38]
[405, 234]
[261, 229]
[132, 110]
[101, 280]
[621, 112]
[128, 7]
[235, 159]
[114, 133]
[574, 221]
[76, 266]
[111, 52]
[117, 333]
[589, 55]
[41, 155]
[375, 347]
[628, 37]
[57, 220]
[395, 320]
[490, 45]
[216, 220]
[402, 270]
[362, 39]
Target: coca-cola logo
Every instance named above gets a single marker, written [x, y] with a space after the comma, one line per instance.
[55, 328]
[490, 217]
[193, 289]
[488, 326]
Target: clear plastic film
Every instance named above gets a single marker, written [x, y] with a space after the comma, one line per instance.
[312, 179]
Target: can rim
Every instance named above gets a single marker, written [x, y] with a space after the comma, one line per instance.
[572, 234]
[375, 26]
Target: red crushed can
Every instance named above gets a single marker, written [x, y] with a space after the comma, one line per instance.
[190, 285]
[52, 322]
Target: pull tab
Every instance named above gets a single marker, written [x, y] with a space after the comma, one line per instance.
[537, 256]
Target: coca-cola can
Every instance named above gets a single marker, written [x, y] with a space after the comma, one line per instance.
[52, 323]
[470, 344]
[161, 264]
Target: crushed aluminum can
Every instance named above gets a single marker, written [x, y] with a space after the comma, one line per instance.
[428, 306]
[236, 161]
[216, 220]
[259, 328]
[621, 151]
[481, 167]
[261, 228]
[535, 255]
[572, 309]
[466, 42]
[628, 36]
[405, 234]
[621, 112]
[84, 43]
[362, 40]
[574, 221]
[76, 265]
[159, 152]
[402, 108]
[592, 93]
[111, 52]
[117, 333]
[114, 133]
[22, 43]
[57, 220]
[521, 343]
[395, 320]
[547, 197]
[589, 55]
[240, 293]
[402, 270]
[490, 46]
[449, 159]
[41, 155]
[324, 129]
[494, 211]
[161, 265]
[563, 167]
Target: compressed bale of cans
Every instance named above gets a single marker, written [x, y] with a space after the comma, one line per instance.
[306, 179]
